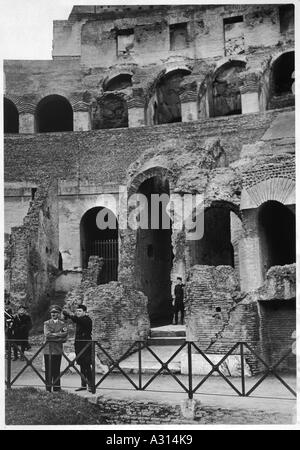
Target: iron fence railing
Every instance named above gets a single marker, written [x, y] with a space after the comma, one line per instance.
[188, 383]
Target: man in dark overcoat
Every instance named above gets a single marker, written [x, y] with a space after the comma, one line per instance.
[83, 336]
[20, 330]
[178, 300]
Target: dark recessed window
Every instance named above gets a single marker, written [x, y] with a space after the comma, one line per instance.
[286, 18]
[33, 192]
[234, 35]
[178, 36]
[125, 42]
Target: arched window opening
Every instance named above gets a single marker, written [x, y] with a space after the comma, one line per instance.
[277, 235]
[54, 113]
[118, 83]
[166, 108]
[96, 241]
[154, 253]
[111, 111]
[282, 82]
[225, 96]
[282, 72]
[11, 117]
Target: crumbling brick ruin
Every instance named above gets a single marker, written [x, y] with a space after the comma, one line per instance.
[158, 99]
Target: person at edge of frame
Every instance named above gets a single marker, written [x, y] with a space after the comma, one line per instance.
[8, 321]
[55, 333]
[83, 335]
[20, 331]
[178, 300]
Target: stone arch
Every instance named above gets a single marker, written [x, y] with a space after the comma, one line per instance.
[281, 190]
[163, 103]
[110, 111]
[54, 113]
[153, 250]
[10, 116]
[95, 241]
[150, 172]
[118, 81]
[281, 83]
[224, 96]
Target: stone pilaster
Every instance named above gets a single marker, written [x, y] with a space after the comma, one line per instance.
[26, 118]
[136, 112]
[250, 93]
[189, 104]
[81, 118]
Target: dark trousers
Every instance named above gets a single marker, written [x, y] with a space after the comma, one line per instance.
[54, 373]
[178, 307]
[20, 345]
[86, 370]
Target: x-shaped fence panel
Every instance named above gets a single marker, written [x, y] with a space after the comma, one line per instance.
[241, 349]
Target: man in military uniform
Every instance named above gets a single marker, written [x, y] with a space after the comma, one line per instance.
[82, 337]
[55, 332]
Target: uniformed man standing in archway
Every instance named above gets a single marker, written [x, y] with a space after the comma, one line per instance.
[178, 300]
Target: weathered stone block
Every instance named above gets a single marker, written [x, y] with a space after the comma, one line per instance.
[120, 318]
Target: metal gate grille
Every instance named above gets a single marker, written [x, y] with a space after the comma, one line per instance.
[108, 250]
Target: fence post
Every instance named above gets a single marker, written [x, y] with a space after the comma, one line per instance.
[140, 364]
[93, 386]
[242, 369]
[8, 367]
[190, 375]
[50, 380]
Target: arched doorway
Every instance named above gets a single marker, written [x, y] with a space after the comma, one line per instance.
[54, 113]
[11, 117]
[164, 106]
[100, 242]
[225, 98]
[154, 252]
[281, 81]
[277, 234]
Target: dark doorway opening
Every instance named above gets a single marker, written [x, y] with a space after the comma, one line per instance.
[277, 234]
[154, 256]
[215, 248]
[168, 107]
[11, 117]
[283, 69]
[226, 97]
[54, 113]
[100, 242]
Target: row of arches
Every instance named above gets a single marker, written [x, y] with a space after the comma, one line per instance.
[223, 230]
[53, 113]
[163, 105]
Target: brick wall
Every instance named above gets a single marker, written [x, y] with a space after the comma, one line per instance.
[139, 412]
[278, 322]
[98, 156]
[33, 252]
[209, 302]
[119, 315]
